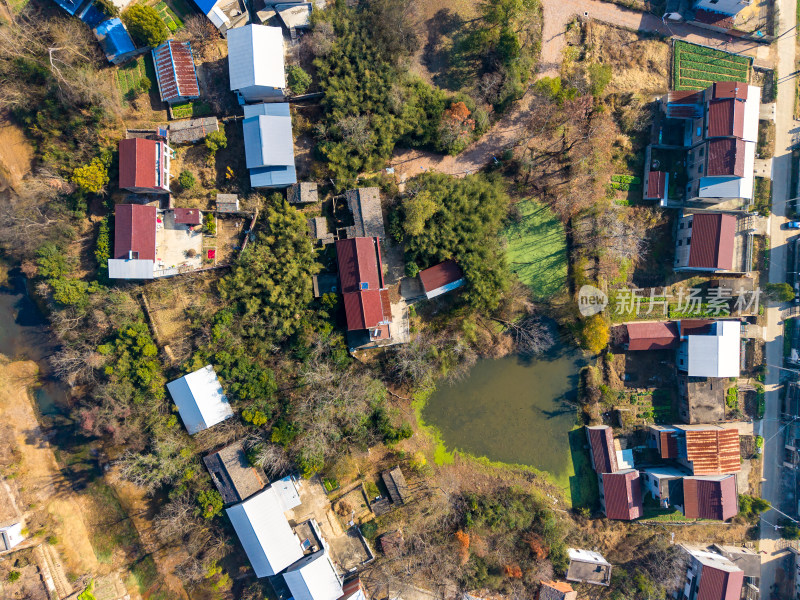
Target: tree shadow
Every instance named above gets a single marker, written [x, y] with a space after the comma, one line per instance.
[446, 54]
[583, 485]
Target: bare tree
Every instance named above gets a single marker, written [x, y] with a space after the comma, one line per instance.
[322, 38]
[270, 457]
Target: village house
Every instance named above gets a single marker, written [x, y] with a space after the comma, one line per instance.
[151, 243]
[718, 127]
[144, 165]
[713, 242]
[651, 335]
[314, 577]
[556, 590]
[442, 278]
[175, 72]
[256, 64]
[586, 566]
[748, 561]
[619, 483]
[268, 145]
[664, 484]
[711, 576]
[710, 497]
[703, 449]
[710, 348]
[365, 207]
[233, 475]
[200, 399]
[366, 298]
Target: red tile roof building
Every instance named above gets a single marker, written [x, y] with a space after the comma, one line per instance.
[144, 166]
[188, 216]
[726, 157]
[725, 118]
[366, 300]
[712, 576]
[441, 278]
[652, 336]
[622, 492]
[601, 447]
[712, 241]
[135, 232]
[656, 186]
[710, 497]
[177, 78]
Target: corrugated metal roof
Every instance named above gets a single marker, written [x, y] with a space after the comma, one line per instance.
[713, 451]
[138, 162]
[439, 275]
[200, 399]
[188, 216]
[726, 118]
[726, 157]
[623, 495]
[175, 71]
[135, 231]
[729, 89]
[685, 97]
[696, 326]
[718, 584]
[114, 39]
[313, 578]
[601, 443]
[256, 57]
[710, 498]
[713, 18]
[712, 241]
[668, 443]
[652, 336]
[656, 185]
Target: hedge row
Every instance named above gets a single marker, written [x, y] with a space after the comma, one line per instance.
[626, 179]
[703, 50]
[733, 72]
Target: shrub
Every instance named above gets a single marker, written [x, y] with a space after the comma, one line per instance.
[599, 77]
[594, 334]
[210, 224]
[780, 292]
[216, 140]
[92, 177]
[210, 502]
[107, 7]
[102, 251]
[186, 180]
[14, 576]
[298, 80]
[145, 25]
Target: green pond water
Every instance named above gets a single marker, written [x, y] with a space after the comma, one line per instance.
[513, 411]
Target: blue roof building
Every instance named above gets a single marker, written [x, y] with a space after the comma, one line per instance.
[268, 145]
[70, 6]
[115, 40]
[205, 6]
[92, 16]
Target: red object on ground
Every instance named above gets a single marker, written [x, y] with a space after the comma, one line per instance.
[212, 254]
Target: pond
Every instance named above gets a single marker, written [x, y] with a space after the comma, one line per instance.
[513, 411]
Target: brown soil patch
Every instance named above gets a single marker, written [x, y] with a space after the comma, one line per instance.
[16, 155]
[39, 474]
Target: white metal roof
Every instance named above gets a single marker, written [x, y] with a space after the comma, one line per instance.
[10, 536]
[751, 110]
[314, 578]
[286, 489]
[716, 354]
[200, 399]
[264, 532]
[255, 57]
[586, 556]
[123, 268]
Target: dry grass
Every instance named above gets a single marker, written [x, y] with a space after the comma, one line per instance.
[640, 65]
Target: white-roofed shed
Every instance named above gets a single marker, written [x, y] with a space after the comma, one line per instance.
[314, 578]
[265, 534]
[256, 62]
[717, 354]
[200, 399]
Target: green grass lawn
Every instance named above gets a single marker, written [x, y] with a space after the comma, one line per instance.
[696, 67]
[537, 249]
[583, 489]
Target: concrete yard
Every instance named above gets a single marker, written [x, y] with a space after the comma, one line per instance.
[174, 243]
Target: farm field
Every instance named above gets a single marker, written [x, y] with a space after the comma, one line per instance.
[188, 110]
[537, 249]
[696, 67]
[169, 16]
[135, 77]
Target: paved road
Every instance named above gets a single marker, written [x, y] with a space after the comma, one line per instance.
[773, 447]
[557, 13]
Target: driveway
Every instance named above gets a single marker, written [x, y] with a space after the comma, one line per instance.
[769, 427]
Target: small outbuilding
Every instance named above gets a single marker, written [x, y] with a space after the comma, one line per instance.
[175, 72]
[586, 566]
[115, 40]
[268, 145]
[442, 278]
[188, 216]
[365, 206]
[303, 192]
[227, 203]
[10, 536]
[395, 483]
[232, 474]
[556, 590]
[189, 131]
[200, 399]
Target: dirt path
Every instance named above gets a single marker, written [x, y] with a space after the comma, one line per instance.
[40, 475]
[16, 155]
[557, 13]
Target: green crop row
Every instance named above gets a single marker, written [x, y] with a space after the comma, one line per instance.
[736, 73]
[704, 51]
[710, 60]
[708, 78]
